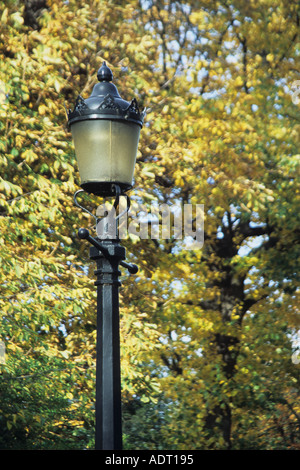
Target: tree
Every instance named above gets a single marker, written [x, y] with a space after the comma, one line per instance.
[48, 49]
[206, 333]
[227, 138]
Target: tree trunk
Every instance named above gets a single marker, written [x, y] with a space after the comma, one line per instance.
[227, 345]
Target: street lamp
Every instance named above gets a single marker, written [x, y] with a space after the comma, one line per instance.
[105, 130]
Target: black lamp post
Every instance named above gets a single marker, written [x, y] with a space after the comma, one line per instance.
[106, 131]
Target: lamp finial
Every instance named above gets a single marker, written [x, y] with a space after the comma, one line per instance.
[104, 73]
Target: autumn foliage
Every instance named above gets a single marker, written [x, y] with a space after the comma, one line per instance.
[208, 335]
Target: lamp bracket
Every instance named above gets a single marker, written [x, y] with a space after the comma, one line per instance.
[118, 193]
[107, 226]
[105, 234]
[80, 206]
[84, 234]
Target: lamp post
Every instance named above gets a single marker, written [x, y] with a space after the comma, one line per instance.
[105, 130]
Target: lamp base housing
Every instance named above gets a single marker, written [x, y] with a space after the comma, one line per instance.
[104, 188]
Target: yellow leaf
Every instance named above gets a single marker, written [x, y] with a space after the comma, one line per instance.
[238, 81]
[42, 109]
[4, 16]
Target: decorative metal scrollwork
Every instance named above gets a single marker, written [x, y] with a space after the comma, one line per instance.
[109, 103]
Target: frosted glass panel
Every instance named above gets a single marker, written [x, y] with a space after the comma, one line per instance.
[106, 150]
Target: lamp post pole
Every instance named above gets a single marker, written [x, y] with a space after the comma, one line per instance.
[108, 375]
[108, 254]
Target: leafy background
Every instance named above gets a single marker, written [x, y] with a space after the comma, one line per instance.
[209, 336]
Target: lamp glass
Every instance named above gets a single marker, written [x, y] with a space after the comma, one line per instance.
[106, 150]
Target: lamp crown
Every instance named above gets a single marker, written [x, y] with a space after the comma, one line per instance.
[105, 103]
